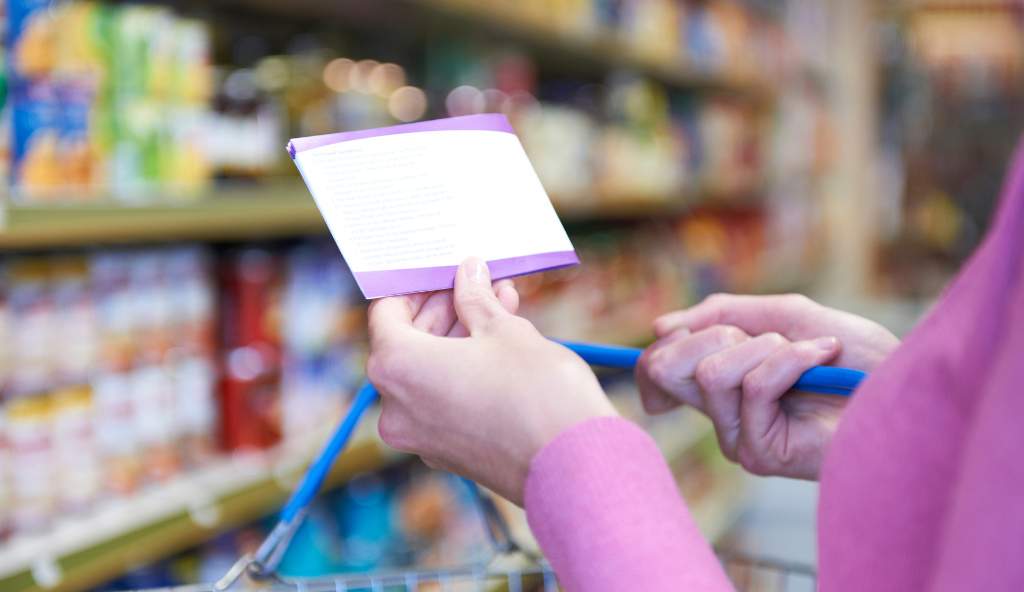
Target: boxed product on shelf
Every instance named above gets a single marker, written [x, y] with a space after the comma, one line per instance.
[105, 100]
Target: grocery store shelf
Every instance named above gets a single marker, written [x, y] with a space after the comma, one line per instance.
[86, 551]
[538, 31]
[279, 208]
[250, 211]
[573, 48]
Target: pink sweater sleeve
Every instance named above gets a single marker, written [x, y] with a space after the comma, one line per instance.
[606, 511]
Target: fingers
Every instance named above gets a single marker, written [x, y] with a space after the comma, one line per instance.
[767, 383]
[392, 317]
[437, 315]
[720, 377]
[507, 295]
[670, 364]
[475, 300]
[753, 314]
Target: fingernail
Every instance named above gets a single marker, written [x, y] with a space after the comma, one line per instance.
[826, 343]
[477, 270]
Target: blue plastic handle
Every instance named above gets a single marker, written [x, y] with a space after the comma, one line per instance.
[828, 380]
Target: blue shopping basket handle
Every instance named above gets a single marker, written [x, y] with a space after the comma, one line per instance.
[828, 380]
[821, 379]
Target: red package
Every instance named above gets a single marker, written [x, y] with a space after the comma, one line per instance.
[250, 338]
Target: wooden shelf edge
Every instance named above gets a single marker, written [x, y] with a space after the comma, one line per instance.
[273, 209]
[258, 211]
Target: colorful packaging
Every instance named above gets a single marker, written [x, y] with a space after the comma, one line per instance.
[36, 168]
[321, 326]
[117, 437]
[29, 435]
[75, 457]
[76, 316]
[32, 326]
[250, 336]
[151, 380]
[32, 33]
[190, 277]
[5, 110]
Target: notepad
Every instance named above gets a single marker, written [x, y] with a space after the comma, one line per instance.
[406, 204]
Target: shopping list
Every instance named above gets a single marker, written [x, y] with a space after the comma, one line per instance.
[406, 204]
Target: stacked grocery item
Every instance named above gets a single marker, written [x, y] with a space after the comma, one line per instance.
[131, 394]
[105, 99]
[109, 375]
[123, 369]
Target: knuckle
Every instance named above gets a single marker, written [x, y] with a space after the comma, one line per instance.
[650, 364]
[774, 339]
[754, 387]
[709, 373]
[726, 335]
[718, 298]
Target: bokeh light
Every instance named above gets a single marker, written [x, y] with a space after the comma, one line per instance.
[408, 103]
[465, 100]
[336, 74]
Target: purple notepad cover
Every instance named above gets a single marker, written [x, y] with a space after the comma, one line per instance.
[393, 282]
[488, 122]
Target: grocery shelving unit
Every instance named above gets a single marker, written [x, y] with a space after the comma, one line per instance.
[86, 551]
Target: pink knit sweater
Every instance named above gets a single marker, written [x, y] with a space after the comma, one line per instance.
[923, 484]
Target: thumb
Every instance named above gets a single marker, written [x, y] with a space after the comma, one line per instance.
[475, 301]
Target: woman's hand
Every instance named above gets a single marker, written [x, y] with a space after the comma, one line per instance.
[734, 357]
[471, 387]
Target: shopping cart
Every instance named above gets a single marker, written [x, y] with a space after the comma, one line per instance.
[510, 566]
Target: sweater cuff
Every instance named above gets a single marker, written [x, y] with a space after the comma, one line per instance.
[606, 510]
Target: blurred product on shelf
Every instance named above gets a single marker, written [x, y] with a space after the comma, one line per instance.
[292, 332]
[629, 276]
[131, 105]
[110, 364]
[105, 98]
[723, 37]
[250, 337]
[951, 96]
[109, 380]
[5, 109]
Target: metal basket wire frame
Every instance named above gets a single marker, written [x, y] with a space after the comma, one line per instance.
[748, 573]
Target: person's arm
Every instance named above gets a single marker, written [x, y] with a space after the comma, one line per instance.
[606, 511]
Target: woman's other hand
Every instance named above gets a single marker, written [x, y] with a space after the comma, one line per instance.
[469, 386]
[734, 357]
